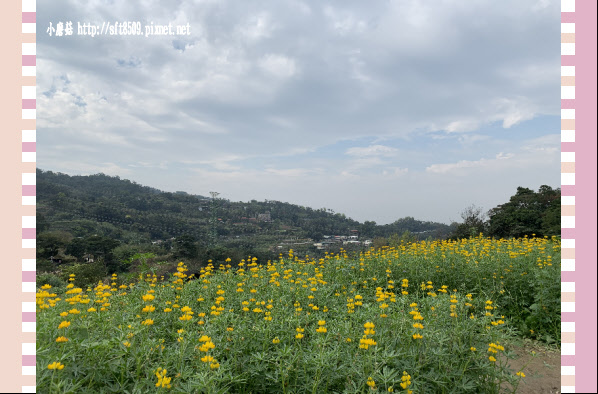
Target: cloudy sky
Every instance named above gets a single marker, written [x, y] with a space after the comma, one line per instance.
[378, 109]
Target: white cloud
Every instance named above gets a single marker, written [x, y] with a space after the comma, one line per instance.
[365, 163]
[344, 22]
[372, 150]
[514, 111]
[549, 144]
[246, 103]
[278, 66]
[256, 27]
[90, 168]
[454, 168]
[462, 126]
[291, 172]
[395, 171]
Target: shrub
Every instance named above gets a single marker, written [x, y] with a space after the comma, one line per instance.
[51, 279]
[86, 273]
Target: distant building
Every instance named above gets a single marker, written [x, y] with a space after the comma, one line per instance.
[264, 217]
[88, 258]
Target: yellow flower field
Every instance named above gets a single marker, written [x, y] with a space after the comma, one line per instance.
[404, 319]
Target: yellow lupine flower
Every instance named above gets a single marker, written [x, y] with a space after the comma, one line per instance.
[163, 381]
[64, 324]
[148, 297]
[371, 382]
[56, 365]
[207, 359]
[206, 346]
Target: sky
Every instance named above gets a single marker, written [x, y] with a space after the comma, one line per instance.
[378, 110]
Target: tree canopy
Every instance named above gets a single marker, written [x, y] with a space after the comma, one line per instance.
[528, 213]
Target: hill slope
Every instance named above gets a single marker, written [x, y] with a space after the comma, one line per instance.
[70, 202]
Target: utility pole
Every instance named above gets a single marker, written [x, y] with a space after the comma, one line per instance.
[213, 234]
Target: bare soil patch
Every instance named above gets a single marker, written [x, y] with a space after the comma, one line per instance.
[542, 370]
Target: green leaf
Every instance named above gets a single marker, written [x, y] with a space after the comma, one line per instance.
[80, 333]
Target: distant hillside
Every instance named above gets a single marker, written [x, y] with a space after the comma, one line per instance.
[71, 202]
[93, 226]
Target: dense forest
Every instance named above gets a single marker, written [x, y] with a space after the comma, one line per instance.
[113, 225]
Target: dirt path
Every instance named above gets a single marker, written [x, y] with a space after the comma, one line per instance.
[542, 371]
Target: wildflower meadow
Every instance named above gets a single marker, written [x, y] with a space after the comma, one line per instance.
[426, 317]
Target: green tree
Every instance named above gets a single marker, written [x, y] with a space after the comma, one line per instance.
[185, 247]
[49, 243]
[101, 248]
[527, 213]
[551, 205]
[77, 248]
[41, 224]
[368, 229]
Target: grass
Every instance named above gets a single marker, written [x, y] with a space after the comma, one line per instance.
[427, 317]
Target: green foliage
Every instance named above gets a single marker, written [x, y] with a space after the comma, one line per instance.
[57, 283]
[86, 274]
[142, 261]
[41, 224]
[51, 242]
[112, 350]
[418, 228]
[120, 209]
[124, 252]
[108, 220]
[543, 299]
[527, 213]
[185, 247]
[473, 223]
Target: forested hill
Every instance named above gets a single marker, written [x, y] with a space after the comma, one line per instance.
[129, 212]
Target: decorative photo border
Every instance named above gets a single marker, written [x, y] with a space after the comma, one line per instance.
[567, 195]
[578, 190]
[28, 160]
[578, 179]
